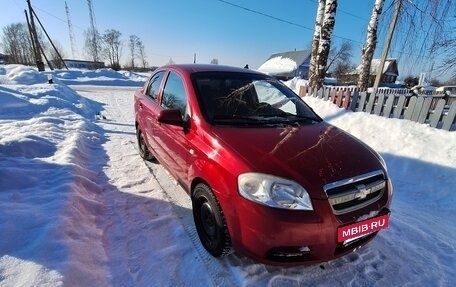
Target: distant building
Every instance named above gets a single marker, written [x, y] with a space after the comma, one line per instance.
[287, 65]
[389, 74]
[82, 64]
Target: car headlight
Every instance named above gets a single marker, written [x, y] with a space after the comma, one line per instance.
[274, 191]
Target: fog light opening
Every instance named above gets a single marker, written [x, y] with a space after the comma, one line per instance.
[304, 249]
[298, 253]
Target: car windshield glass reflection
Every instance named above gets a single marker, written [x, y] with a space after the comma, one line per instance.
[249, 99]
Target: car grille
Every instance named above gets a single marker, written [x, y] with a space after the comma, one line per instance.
[357, 192]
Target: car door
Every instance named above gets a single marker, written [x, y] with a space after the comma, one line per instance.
[172, 140]
[150, 108]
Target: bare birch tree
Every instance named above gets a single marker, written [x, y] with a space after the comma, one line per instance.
[133, 46]
[16, 43]
[54, 55]
[316, 41]
[446, 49]
[430, 35]
[92, 44]
[424, 30]
[371, 43]
[112, 47]
[340, 55]
[324, 45]
[142, 53]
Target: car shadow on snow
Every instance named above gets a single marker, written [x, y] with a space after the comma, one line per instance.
[116, 126]
[108, 122]
[113, 131]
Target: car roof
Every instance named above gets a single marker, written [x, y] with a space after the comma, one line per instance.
[194, 68]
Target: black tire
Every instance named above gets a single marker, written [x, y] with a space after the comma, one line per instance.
[210, 222]
[142, 147]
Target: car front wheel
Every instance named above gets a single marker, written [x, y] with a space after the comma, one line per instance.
[210, 222]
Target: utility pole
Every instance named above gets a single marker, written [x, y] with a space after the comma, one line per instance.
[38, 59]
[36, 49]
[30, 32]
[93, 31]
[70, 31]
[53, 46]
[386, 47]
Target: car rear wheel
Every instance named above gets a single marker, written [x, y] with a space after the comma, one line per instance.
[210, 222]
[142, 147]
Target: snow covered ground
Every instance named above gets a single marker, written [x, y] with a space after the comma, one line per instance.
[78, 207]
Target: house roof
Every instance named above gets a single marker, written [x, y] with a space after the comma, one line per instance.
[83, 61]
[390, 67]
[284, 62]
[297, 56]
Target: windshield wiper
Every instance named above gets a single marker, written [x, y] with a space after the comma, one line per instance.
[265, 120]
[239, 120]
[306, 118]
[290, 118]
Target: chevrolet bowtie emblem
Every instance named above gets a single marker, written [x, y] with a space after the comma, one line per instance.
[362, 191]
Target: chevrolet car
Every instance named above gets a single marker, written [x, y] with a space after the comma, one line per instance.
[267, 176]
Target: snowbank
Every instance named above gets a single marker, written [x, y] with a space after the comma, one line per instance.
[100, 77]
[47, 140]
[19, 74]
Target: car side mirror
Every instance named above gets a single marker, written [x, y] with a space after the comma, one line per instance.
[171, 117]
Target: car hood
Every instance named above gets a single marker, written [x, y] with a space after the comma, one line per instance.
[312, 155]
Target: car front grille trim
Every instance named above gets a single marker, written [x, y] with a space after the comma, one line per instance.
[355, 193]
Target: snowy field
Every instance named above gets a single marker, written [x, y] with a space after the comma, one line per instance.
[78, 207]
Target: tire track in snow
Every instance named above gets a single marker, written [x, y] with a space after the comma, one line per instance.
[219, 274]
[131, 219]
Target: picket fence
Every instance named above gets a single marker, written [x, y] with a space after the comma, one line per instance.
[438, 110]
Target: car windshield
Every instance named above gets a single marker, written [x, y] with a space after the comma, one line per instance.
[249, 99]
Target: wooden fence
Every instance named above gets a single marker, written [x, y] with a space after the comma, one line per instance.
[438, 110]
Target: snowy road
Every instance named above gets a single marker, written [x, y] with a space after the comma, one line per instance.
[149, 238]
[148, 230]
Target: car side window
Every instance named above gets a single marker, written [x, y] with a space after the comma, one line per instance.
[154, 85]
[174, 96]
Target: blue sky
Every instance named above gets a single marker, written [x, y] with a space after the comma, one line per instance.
[210, 28]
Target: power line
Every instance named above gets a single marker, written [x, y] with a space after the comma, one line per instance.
[280, 19]
[348, 13]
[266, 15]
[307, 28]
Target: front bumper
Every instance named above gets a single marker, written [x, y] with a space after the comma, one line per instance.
[286, 237]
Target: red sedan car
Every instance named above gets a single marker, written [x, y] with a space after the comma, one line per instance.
[266, 175]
